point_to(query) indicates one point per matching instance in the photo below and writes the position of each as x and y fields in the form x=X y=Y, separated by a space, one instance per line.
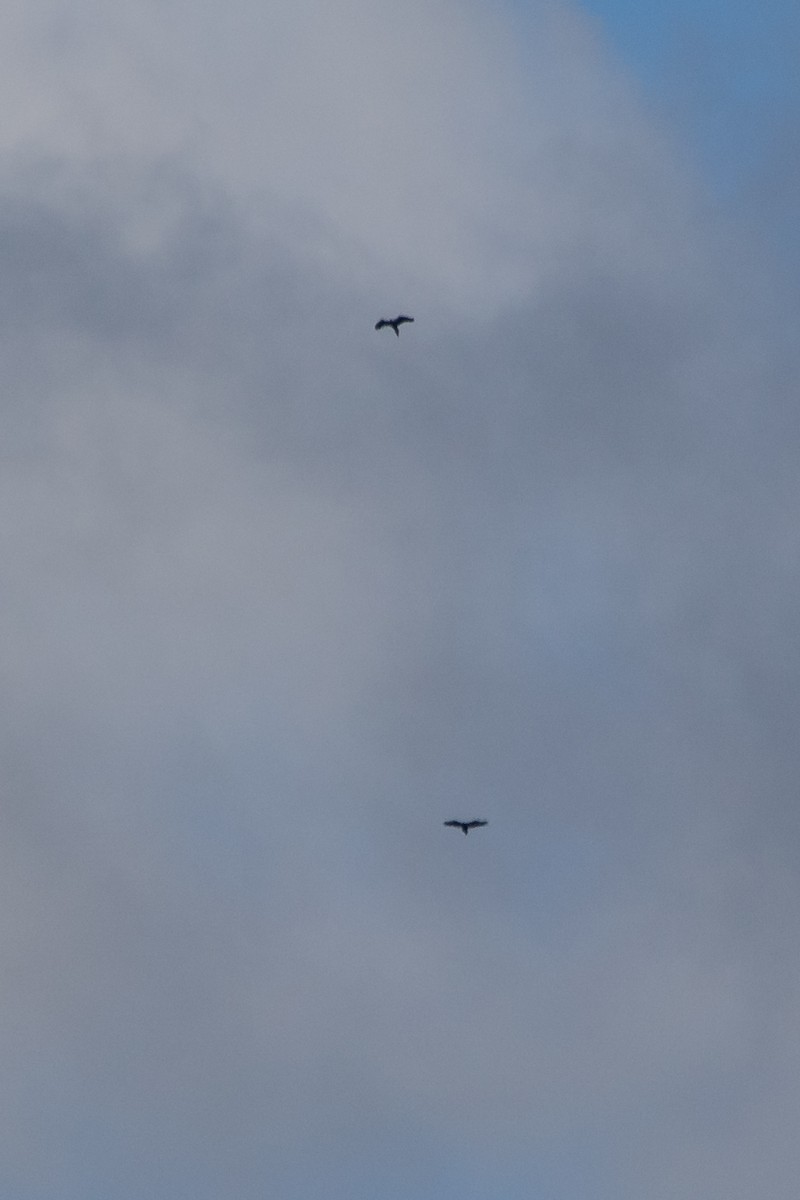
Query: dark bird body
x=465 y=826
x=394 y=324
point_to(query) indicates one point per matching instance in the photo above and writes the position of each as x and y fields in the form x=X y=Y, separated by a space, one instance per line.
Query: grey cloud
x=281 y=596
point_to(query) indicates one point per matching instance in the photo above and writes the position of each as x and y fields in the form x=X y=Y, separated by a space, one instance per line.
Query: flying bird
x=394 y=324
x=465 y=826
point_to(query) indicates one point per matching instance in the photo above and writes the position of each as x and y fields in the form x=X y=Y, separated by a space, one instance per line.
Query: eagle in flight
x=465 y=826
x=394 y=324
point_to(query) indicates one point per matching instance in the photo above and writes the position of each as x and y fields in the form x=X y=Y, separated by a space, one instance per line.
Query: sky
x=281 y=594
x=724 y=74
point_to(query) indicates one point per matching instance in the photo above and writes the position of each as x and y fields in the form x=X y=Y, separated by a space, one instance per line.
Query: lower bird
x=465 y=826
x=394 y=324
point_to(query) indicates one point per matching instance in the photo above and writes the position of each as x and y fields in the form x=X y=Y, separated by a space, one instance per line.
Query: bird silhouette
x=465 y=826
x=394 y=324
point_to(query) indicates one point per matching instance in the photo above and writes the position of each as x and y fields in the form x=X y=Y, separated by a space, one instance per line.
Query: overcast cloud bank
x=282 y=594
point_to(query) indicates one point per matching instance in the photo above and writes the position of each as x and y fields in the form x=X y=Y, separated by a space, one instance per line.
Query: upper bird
x=465 y=826
x=394 y=324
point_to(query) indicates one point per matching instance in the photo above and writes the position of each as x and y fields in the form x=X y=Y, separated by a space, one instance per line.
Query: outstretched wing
x=475 y=824
x=381 y=324
x=401 y=320
x=455 y=824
